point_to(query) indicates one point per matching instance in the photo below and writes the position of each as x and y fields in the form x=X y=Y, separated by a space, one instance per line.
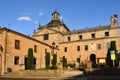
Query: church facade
x=80 y=45
x=90 y=44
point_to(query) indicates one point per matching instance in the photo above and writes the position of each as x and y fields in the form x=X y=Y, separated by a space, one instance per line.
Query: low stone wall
x=45 y=73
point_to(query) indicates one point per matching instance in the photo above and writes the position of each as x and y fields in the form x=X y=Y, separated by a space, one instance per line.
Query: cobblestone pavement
x=67 y=75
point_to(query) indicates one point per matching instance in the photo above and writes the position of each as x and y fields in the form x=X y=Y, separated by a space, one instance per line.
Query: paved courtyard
x=104 y=74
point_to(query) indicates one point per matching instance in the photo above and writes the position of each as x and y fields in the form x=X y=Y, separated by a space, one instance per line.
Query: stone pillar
x=76 y=65
x=59 y=69
x=89 y=66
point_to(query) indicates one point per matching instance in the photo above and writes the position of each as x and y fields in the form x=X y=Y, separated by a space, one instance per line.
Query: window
x=35 y=48
x=86 y=47
x=80 y=37
x=107 y=45
x=69 y=38
x=93 y=35
x=78 y=48
x=46 y=36
x=16 y=60
x=45 y=50
x=114 y=21
x=106 y=34
x=99 y=46
x=65 y=49
x=78 y=60
x=17 y=44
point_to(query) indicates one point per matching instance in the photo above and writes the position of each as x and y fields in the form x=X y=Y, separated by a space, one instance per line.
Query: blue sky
x=23 y=15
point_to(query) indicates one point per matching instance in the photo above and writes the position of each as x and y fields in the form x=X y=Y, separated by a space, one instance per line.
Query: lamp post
x=53 y=47
x=52 y=52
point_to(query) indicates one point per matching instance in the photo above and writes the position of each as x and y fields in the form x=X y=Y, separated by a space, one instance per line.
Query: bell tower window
x=55 y=15
x=114 y=21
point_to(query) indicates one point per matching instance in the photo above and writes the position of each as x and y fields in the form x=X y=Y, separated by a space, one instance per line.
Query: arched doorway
x=34 y=63
x=25 y=60
x=93 y=58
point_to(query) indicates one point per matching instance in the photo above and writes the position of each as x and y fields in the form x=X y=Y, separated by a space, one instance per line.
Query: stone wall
x=41 y=73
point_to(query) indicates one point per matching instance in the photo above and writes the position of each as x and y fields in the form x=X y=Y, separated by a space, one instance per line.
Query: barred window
x=86 y=47
x=46 y=36
x=78 y=48
x=17 y=44
x=80 y=37
x=35 y=48
x=69 y=38
x=106 y=34
x=16 y=60
x=93 y=35
x=65 y=49
x=99 y=46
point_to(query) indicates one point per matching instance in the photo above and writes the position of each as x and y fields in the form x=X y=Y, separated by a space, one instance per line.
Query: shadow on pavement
x=99 y=74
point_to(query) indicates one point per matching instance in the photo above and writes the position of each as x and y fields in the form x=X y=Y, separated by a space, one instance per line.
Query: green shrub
x=30 y=59
x=108 y=59
x=47 y=60
x=64 y=61
x=54 y=61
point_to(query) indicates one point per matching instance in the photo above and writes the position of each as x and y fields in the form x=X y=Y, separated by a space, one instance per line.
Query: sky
x=24 y=15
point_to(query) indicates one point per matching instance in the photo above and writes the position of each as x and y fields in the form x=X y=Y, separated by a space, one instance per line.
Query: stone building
x=14 y=50
x=55 y=37
x=80 y=45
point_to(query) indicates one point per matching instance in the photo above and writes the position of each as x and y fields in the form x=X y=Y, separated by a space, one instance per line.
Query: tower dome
x=55 y=15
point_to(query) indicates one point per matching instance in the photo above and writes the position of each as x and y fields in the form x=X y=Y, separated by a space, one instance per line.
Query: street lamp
x=53 y=47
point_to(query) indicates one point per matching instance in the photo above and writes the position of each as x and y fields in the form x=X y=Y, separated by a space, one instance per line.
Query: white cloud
x=40 y=13
x=24 y=18
x=61 y=17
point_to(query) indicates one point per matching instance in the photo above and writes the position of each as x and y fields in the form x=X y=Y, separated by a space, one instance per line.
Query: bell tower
x=55 y=15
x=114 y=21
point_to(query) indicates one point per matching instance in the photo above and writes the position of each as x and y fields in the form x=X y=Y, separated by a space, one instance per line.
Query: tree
x=54 y=61
x=47 y=60
x=108 y=59
x=30 y=59
x=64 y=62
